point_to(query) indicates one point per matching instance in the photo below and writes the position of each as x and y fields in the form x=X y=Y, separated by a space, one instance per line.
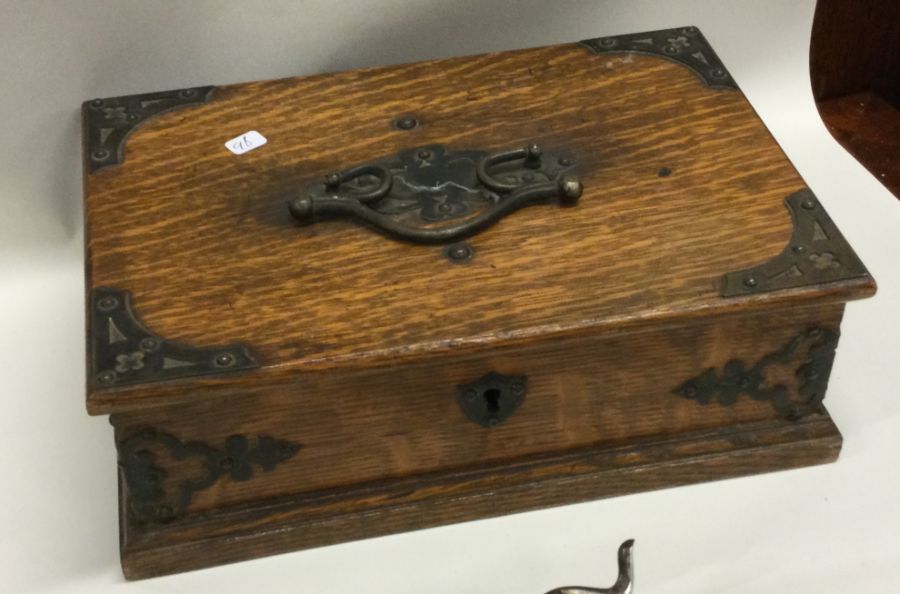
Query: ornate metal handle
x=431 y=195
x=624 y=584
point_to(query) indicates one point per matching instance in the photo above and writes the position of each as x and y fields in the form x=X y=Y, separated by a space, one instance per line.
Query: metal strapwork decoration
x=793 y=379
x=624 y=583
x=685 y=45
x=434 y=195
x=816 y=254
x=123 y=351
x=161 y=471
x=109 y=122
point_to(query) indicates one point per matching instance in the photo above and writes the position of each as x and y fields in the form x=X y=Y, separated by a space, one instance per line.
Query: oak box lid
x=201 y=281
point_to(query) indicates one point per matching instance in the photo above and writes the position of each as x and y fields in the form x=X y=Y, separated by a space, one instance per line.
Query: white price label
x=246 y=142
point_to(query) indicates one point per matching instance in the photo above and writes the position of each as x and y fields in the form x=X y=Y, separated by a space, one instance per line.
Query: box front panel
x=330 y=437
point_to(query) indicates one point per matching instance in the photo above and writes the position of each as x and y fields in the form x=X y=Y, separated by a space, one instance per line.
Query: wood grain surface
x=607 y=307
x=203 y=240
x=247 y=533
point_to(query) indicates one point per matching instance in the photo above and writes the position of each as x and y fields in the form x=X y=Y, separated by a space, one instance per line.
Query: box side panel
x=400 y=424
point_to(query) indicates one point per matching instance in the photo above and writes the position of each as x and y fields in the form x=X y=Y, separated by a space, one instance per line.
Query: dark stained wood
x=869 y=128
x=855 y=47
x=855 y=72
x=607 y=307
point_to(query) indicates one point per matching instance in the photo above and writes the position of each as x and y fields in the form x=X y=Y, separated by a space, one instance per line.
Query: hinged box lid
x=243 y=234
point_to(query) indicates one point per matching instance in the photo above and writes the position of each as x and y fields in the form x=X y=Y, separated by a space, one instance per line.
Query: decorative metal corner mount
x=148 y=498
x=431 y=194
x=684 y=45
x=123 y=351
x=817 y=254
x=624 y=583
x=109 y=122
x=807 y=358
x=492 y=398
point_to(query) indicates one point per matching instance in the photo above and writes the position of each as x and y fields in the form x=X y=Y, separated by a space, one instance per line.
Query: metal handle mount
x=431 y=195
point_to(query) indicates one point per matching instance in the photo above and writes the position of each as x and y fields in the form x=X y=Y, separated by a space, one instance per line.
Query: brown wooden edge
x=417 y=502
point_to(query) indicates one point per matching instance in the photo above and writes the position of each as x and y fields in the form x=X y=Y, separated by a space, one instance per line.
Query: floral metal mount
x=123 y=351
x=684 y=45
x=624 y=583
x=817 y=254
x=432 y=195
x=109 y=122
x=139 y=460
x=806 y=359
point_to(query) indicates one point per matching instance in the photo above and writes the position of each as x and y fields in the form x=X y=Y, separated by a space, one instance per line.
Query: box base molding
x=236 y=534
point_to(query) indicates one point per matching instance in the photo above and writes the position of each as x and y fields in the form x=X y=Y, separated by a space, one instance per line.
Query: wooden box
x=448 y=290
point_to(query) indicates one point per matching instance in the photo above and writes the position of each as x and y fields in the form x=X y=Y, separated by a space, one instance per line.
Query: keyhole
x=492 y=398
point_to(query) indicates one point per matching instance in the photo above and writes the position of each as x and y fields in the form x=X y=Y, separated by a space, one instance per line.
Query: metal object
x=432 y=195
x=491 y=399
x=109 y=122
x=684 y=45
x=150 y=500
x=459 y=253
x=817 y=254
x=624 y=583
x=123 y=351
x=807 y=359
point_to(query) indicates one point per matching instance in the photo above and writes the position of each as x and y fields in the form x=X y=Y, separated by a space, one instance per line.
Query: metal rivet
x=664 y=172
x=445 y=208
x=133 y=117
x=424 y=154
x=106 y=377
x=799 y=249
x=333 y=180
x=517 y=388
x=406 y=123
x=285 y=451
x=608 y=42
x=97 y=103
x=164 y=512
x=187 y=93
x=225 y=360
x=689 y=30
x=149 y=344
x=670 y=49
x=751 y=281
x=718 y=73
x=563 y=162
x=107 y=303
x=100 y=155
x=460 y=252
x=808 y=204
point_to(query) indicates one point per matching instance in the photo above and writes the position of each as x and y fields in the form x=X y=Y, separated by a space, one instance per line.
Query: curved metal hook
x=624 y=583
